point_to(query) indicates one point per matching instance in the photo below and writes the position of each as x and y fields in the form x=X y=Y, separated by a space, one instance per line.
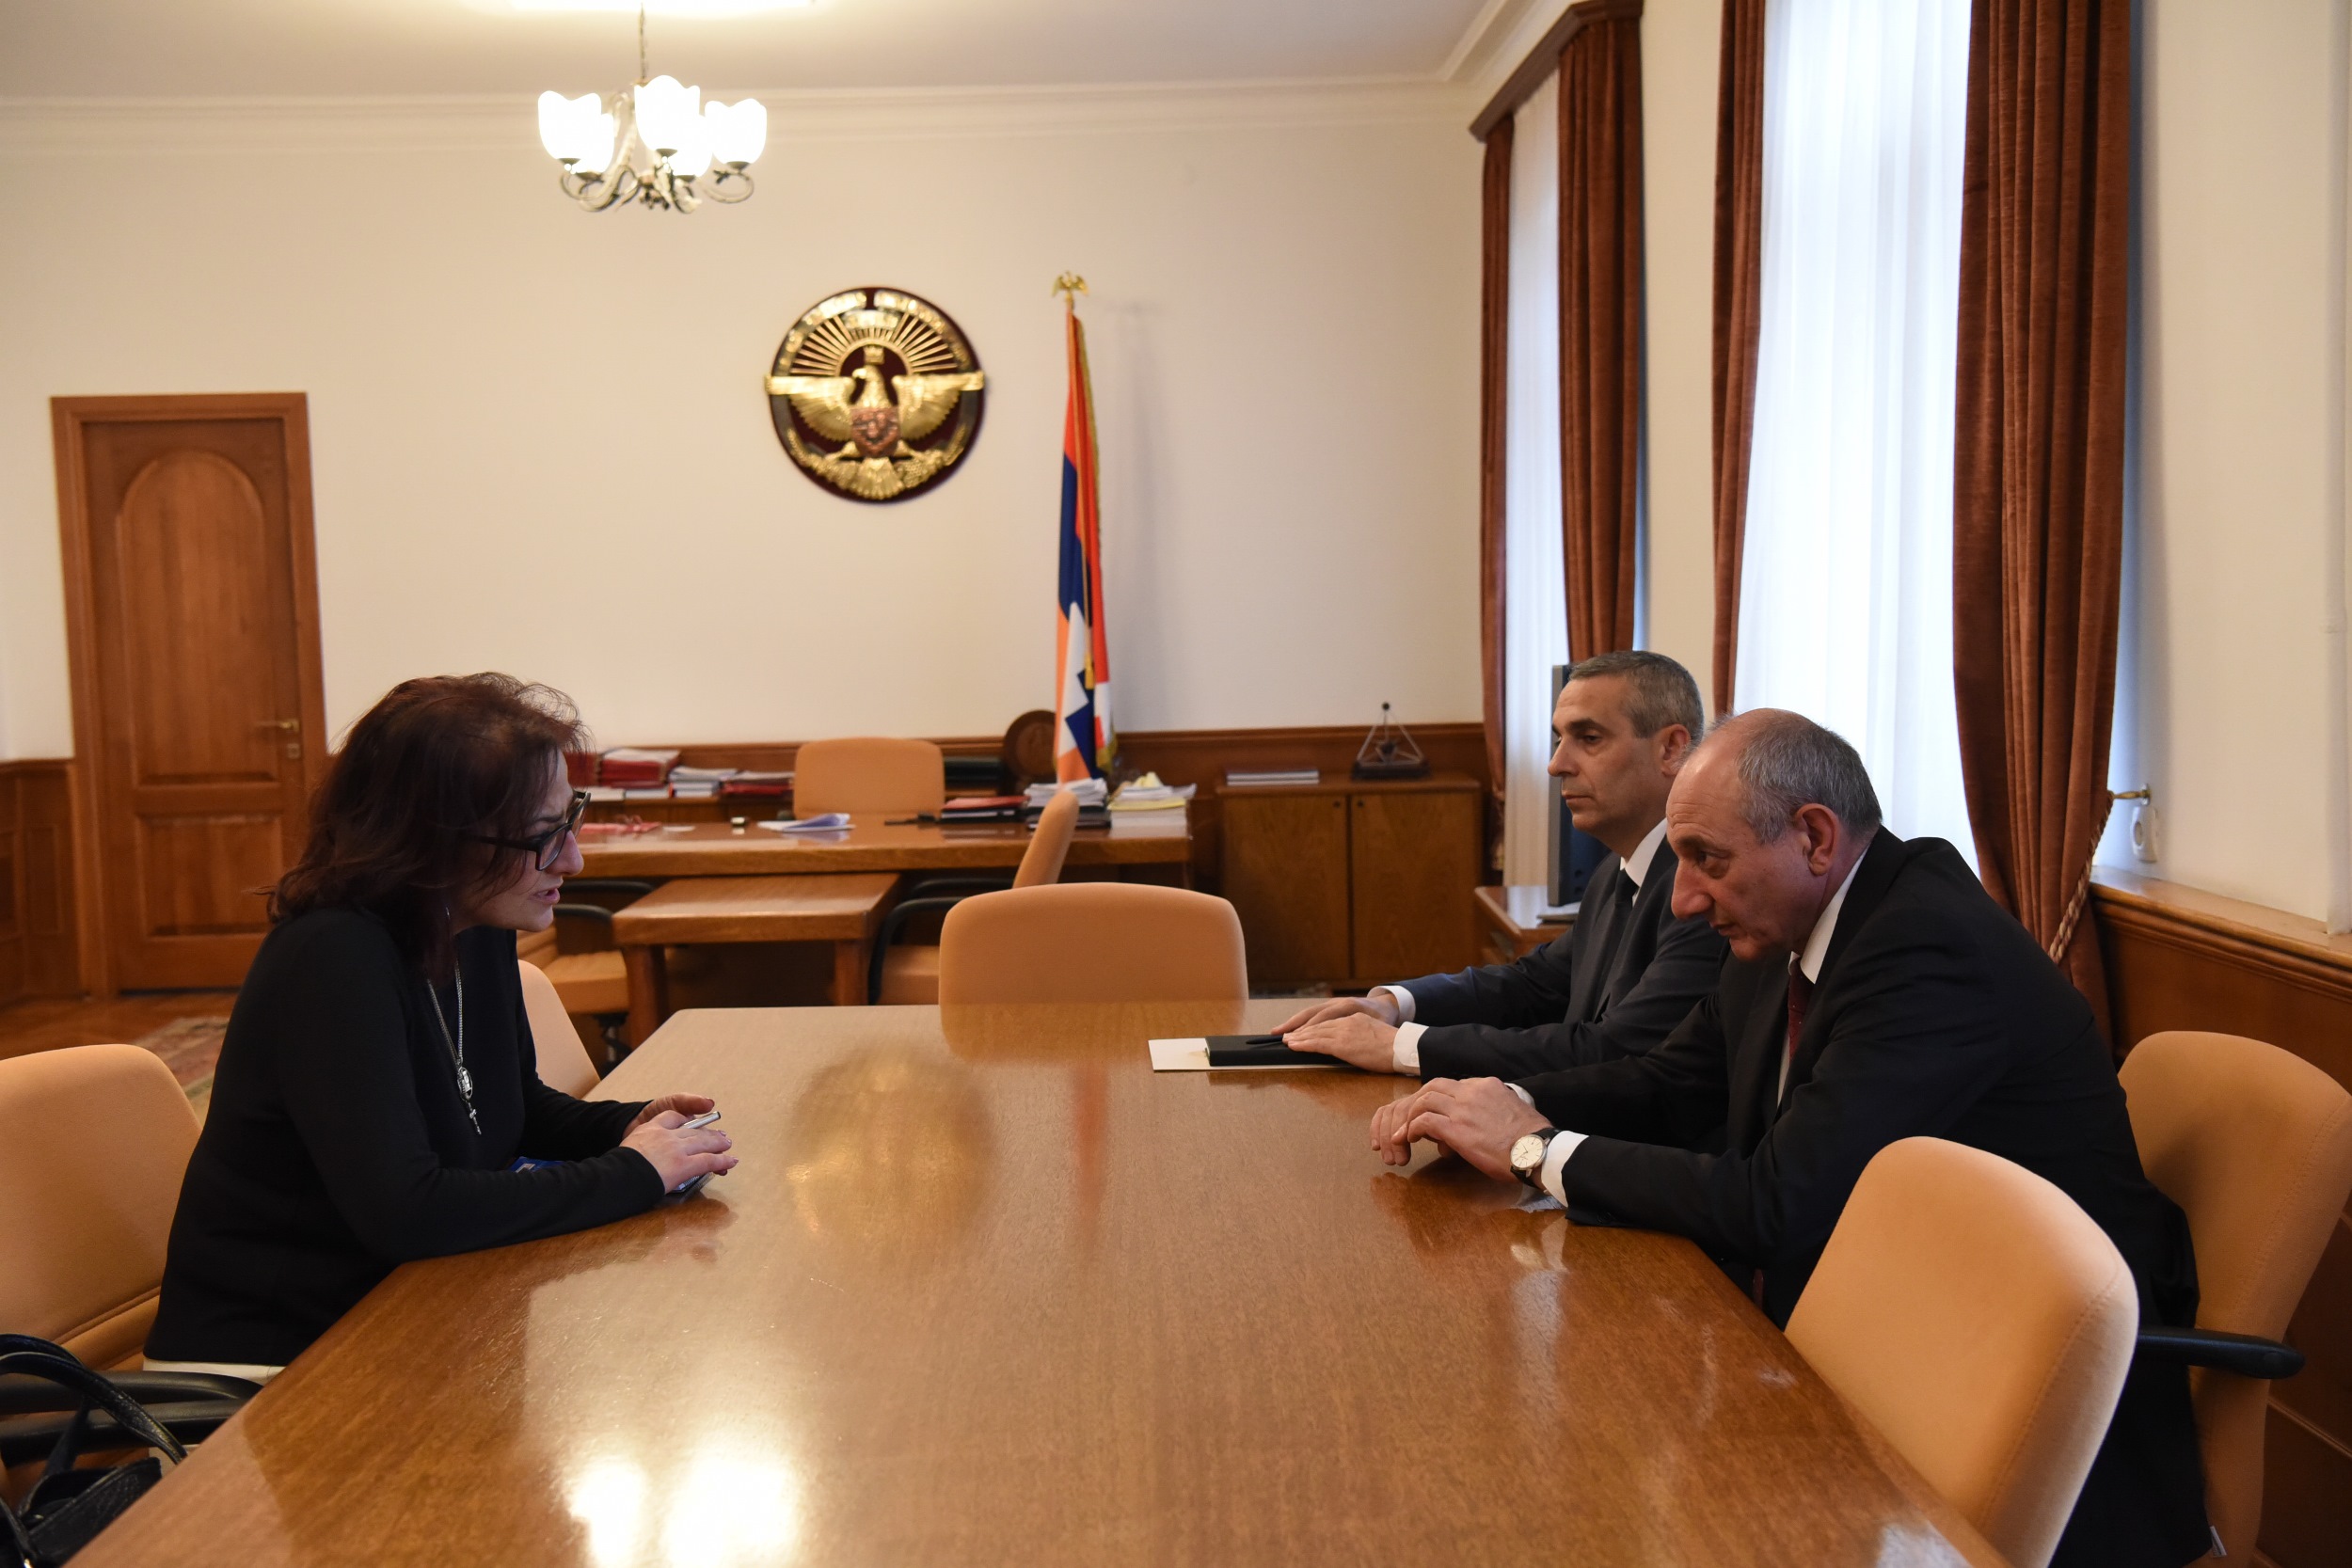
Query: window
x=1845 y=587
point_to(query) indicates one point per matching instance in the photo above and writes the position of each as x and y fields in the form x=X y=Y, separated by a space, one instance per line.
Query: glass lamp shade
x=738 y=133
x=669 y=116
x=600 y=131
x=567 y=126
x=691 y=158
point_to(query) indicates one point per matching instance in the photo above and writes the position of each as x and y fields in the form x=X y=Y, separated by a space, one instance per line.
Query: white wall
x=2240 y=443
x=540 y=442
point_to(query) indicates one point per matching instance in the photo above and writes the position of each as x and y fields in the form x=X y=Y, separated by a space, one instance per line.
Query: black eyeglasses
x=548 y=847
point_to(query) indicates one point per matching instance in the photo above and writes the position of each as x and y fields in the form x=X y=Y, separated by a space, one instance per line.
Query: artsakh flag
x=1083 y=742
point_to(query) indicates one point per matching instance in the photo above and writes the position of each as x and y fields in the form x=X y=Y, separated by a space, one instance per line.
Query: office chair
x=870 y=777
x=564 y=1061
x=2255 y=1145
x=908 y=973
x=81 y=1240
x=1091 y=942
x=1983 y=1324
x=593 y=984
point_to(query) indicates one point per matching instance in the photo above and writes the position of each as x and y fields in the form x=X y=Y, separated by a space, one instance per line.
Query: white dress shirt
x=1809 y=960
x=1404 y=1055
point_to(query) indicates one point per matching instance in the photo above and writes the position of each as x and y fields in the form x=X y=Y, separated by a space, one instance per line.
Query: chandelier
x=658 y=144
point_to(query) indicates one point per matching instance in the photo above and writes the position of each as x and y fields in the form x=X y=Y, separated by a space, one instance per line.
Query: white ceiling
x=306 y=48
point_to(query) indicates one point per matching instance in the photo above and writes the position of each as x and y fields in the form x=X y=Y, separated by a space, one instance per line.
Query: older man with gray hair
x=1875 y=993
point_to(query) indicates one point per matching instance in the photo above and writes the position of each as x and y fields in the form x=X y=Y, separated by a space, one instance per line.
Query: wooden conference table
x=985 y=1290
x=716 y=849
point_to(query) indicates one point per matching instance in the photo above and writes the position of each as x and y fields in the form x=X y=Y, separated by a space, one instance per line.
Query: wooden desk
x=842 y=908
x=1514 y=919
x=715 y=849
x=985 y=1290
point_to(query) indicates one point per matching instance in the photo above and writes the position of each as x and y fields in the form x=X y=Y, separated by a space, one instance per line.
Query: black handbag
x=53 y=1398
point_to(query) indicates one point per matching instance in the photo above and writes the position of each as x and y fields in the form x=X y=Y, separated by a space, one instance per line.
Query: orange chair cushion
x=1983 y=1324
x=1091 y=942
x=911 y=976
x=563 y=1059
x=2255 y=1145
x=591 y=982
x=869 y=776
x=81 y=1240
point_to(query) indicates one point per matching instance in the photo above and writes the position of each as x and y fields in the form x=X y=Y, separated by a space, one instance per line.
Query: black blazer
x=1591 y=996
x=1935 y=1014
x=337 y=1145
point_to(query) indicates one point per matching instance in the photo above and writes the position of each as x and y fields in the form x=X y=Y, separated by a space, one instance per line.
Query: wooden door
x=1414 y=872
x=1285 y=871
x=192 y=609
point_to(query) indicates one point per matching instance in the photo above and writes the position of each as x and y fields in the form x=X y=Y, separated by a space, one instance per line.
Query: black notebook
x=1266 y=1051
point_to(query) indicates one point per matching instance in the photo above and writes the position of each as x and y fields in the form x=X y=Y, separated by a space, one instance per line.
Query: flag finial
x=1070 y=285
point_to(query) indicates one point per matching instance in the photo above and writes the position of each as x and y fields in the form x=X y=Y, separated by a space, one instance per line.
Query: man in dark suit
x=1876 y=992
x=1625 y=972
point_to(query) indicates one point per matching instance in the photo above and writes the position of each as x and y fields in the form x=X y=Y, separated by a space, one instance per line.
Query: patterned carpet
x=189 y=1046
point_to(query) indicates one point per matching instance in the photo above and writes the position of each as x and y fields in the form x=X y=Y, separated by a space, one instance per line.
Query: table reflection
x=890 y=1156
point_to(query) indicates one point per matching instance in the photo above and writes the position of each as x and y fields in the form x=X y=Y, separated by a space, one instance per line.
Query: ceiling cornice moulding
x=335 y=125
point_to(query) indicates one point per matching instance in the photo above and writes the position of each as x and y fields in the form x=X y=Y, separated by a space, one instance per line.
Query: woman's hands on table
x=679 y=1153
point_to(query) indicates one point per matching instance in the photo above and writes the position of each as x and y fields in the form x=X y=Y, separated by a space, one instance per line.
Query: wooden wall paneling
x=1413 y=869
x=11 y=924
x=1286 y=871
x=39 y=953
x=2181 y=958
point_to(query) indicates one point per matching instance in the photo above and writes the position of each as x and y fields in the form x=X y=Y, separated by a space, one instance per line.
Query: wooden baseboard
x=40 y=954
x=2178 y=958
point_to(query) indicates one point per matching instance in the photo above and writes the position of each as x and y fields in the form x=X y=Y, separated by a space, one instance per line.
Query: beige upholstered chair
x=96 y=1140
x=1983 y=1324
x=869 y=776
x=2255 y=1145
x=1091 y=942
x=909 y=971
x=564 y=1061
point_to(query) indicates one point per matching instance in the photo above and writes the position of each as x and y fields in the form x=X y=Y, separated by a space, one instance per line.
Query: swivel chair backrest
x=1091 y=942
x=564 y=1061
x=1983 y=1324
x=2255 y=1145
x=94 y=1140
x=1041 y=862
x=869 y=776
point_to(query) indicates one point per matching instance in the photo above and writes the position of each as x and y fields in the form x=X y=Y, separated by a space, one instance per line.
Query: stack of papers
x=1149 y=794
x=1238 y=777
x=1091 y=792
x=698 y=784
x=829 y=822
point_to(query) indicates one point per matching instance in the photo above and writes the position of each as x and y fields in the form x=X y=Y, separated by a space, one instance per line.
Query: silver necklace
x=456 y=1044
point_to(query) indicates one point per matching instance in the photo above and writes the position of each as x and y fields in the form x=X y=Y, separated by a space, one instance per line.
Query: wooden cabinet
x=1353 y=882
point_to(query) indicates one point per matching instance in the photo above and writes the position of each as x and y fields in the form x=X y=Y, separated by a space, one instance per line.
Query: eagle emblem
x=875 y=393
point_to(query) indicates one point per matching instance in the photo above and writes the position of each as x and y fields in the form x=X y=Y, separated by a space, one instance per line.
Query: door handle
x=278 y=724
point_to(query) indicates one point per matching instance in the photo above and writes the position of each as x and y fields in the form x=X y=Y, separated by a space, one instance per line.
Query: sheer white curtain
x=1535 y=594
x=1845 y=588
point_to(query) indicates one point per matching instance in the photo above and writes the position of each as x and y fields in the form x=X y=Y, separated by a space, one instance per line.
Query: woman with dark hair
x=377 y=1080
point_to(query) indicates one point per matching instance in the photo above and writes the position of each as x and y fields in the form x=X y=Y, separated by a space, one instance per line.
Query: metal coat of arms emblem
x=875 y=393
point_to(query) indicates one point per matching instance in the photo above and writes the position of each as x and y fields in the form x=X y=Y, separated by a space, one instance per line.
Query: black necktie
x=1609 y=908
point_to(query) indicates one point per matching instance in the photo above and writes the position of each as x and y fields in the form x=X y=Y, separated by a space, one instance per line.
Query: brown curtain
x=1600 y=321
x=1739 y=290
x=2037 y=462
x=1493 y=362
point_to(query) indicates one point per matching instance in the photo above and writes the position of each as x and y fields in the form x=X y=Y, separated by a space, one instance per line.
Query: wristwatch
x=1527 y=1154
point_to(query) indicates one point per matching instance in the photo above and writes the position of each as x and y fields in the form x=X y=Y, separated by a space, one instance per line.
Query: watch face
x=1528 y=1152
